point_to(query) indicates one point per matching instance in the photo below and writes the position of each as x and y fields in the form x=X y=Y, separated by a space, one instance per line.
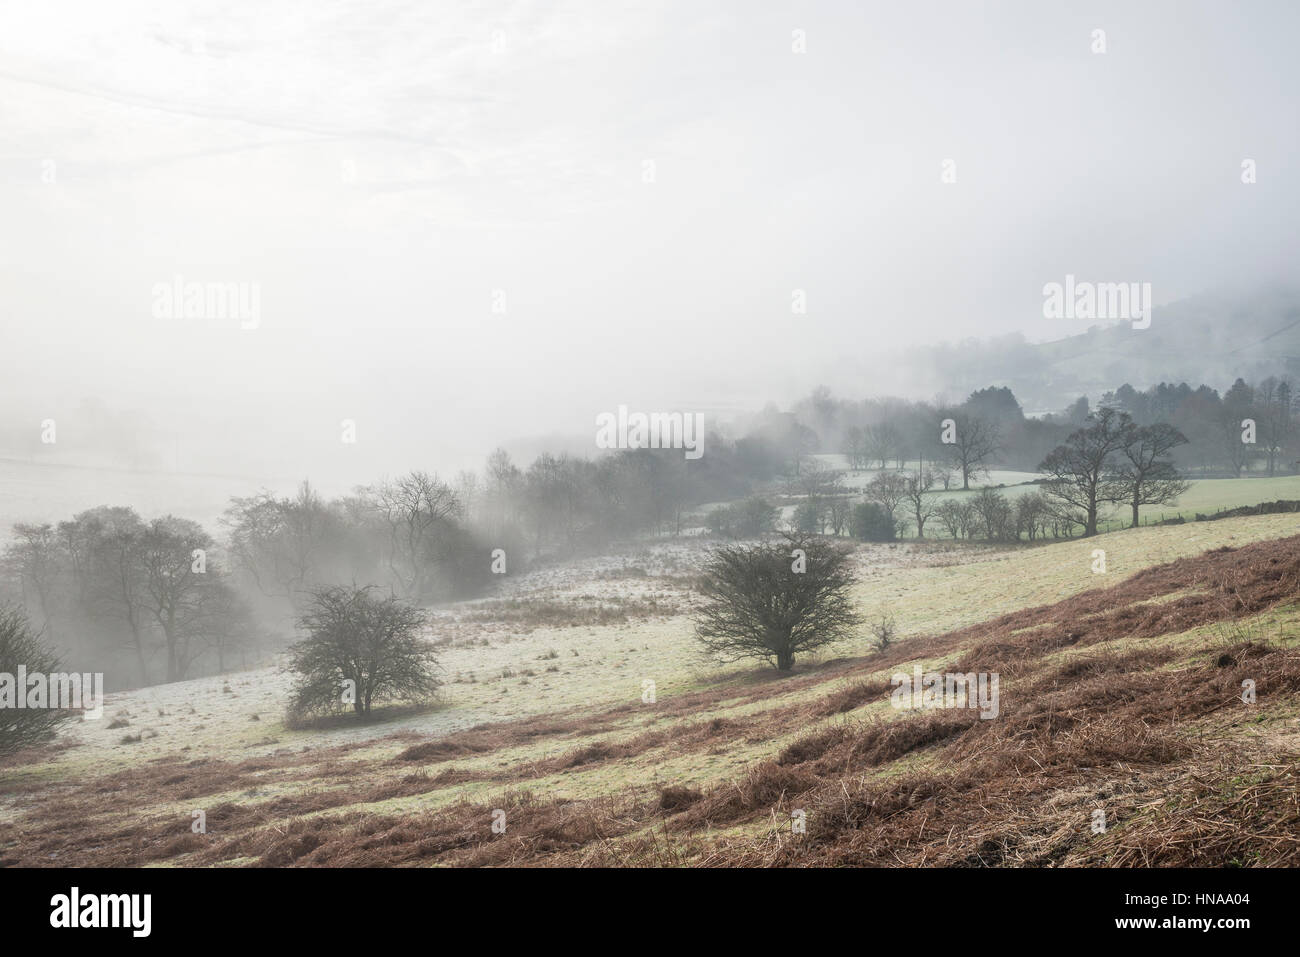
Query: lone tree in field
x=774 y=600
x=360 y=650
x=20 y=645
x=975 y=441
x=1080 y=471
x=1144 y=472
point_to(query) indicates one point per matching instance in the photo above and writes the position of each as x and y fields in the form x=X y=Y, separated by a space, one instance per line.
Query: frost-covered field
x=498 y=662
x=542 y=704
x=498 y=665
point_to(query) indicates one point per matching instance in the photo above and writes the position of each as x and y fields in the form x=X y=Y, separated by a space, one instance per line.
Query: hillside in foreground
x=1119 y=693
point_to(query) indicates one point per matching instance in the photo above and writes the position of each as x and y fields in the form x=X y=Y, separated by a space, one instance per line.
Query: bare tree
x=921 y=504
x=1033 y=514
x=223 y=625
x=819 y=485
x=35 y=559
x=887 y=489
x=1273 y=398
x=360 y=651
x=995 y=514
x=882 y=442
x=504 y=493
x=816 y=481
x=414 y=509
x=950 y=514
x=855 y=441
x=838 y=512
x=1080 y=469
x=1143 y=471
x=975 y=440
x=109 y=541
x=765 y=601
x=176 y=580
x=885 y=628
x=281 y=544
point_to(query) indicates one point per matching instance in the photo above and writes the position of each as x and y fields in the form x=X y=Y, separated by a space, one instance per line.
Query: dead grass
x=1094 y=714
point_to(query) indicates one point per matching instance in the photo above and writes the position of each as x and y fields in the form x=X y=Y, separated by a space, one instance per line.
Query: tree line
x=1109 y=460
x=992 y=426
x=165 y=599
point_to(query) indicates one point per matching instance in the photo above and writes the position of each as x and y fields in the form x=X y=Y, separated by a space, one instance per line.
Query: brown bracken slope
x=1107 y=705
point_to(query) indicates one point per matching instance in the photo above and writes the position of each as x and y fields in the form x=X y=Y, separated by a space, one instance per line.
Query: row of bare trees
x=107 y=584
x=162 y=600
x=1114 y=460
x=407 y=535
x=1109 y=460
x=961 y=445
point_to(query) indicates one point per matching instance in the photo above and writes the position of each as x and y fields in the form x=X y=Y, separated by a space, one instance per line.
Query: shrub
x=759 y=602
x=21 y=646
x=871 y=523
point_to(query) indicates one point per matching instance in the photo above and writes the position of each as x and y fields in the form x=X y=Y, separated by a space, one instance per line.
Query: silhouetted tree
x=975 y=441
x=1143 y=471
x=1080 y=469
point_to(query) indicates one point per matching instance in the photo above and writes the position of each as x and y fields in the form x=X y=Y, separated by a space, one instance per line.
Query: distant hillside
x=1209 y=339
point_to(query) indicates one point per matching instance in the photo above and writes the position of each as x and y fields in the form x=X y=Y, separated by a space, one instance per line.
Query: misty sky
x=380 y=168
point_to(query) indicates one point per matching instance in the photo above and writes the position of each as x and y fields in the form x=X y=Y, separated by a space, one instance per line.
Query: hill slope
x=1124 y=699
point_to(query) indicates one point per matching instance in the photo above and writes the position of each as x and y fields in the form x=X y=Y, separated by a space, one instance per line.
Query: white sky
x=501 y=146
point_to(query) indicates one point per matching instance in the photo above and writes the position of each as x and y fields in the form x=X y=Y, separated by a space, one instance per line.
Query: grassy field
x=547 y=720
x=1206 y=496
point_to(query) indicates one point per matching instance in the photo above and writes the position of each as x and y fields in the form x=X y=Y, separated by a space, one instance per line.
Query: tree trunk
x=139 y=657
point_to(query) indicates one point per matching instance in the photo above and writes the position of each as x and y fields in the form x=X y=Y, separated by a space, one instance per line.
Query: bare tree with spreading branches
x=416 y=509
x=1144 y=472
x=1081 y=476
x=975 y=440
x=360 y=650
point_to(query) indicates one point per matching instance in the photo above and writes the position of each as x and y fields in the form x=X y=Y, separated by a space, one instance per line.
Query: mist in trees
x=165 y=599
x=1113 y=460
